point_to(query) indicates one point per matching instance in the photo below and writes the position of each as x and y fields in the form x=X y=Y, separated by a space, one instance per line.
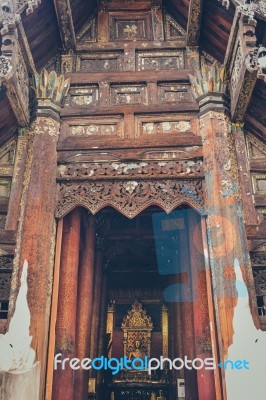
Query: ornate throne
x=136 y=384
x=137 y=327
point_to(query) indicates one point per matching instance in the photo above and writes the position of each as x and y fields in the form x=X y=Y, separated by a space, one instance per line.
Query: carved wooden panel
x=256 y=148
x=5 y=187
x=259 y=183
x=116 y=155
x=6 y=265
x=130 y=197
x=258 y=258
x=260 y=281
x=172 y=29
x=160 y=60
x=5 y=283
x=169 y=93
x=130 y=27
x=237 y=68
x=131 y=94
x=161 y=125
x=104 y=126
x=88 y=33
x=100 y=62
x=134 y=169
x=83 y=96
x=186 y=152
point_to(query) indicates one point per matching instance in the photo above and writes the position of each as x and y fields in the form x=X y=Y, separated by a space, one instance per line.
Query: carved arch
x=130 y=197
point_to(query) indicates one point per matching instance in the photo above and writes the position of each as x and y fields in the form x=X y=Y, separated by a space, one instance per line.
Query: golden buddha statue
x=137 y=352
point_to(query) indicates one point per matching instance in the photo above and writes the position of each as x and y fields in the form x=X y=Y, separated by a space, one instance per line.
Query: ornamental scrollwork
x=258 y=258
x=134 y=169
x=260 y=281
x=13 y=69
x=6 y=68
x=6 y=265
x=137 y=318
x=130 y=197
x=252 y=64
x=42 y=126
x=18 y=6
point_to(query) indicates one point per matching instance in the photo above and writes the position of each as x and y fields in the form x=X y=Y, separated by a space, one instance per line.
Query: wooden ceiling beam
x=65 y=23
x=194 y=22
x=256 y=126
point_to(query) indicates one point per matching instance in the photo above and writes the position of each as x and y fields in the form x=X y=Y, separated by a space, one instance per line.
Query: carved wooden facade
x=134 y=116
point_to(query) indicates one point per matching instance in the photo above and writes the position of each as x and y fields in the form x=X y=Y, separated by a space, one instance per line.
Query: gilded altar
x=137 y=328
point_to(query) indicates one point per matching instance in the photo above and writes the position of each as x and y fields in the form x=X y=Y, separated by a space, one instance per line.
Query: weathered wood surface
x=82 y=143
x=17 y=184
x=36 y=233
x=8 y=236
x=128 y=76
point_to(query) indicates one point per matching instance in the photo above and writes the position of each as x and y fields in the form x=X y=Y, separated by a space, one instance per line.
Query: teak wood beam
x=194 y=22
x=128 y=76
x=83 y=143
x=65 y=23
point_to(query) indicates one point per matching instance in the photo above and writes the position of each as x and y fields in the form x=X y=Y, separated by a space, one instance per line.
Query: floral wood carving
x=5 y=283
x=49 y=85
x=130 y=197
x=137 y=327
x=260 y=281
x=137 y=318
x=208 y=79
x=258 y=258
x=134 y=169
x=6 y=263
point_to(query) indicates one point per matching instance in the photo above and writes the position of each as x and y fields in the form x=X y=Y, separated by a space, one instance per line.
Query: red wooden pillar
x=36 y=167
x=203 y=346
x=96 y=308
x=172 y=353
x=187 y=315
x=63 y=387
x=102 y=338
x=84 y=309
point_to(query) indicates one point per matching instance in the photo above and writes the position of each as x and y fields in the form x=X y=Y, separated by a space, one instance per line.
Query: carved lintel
x=130 y=197
x=65 y=21
x=194 y=22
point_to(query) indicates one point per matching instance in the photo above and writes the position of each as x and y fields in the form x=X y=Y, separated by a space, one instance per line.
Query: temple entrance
x=148 y=300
